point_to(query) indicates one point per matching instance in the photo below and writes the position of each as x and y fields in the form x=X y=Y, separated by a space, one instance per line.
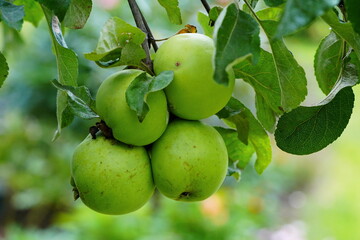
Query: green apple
x=193 y=94
x=189 y=161
x=111 y=177
x=112 y=107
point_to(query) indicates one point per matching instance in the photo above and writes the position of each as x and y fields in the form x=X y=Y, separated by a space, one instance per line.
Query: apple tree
x=148 y=113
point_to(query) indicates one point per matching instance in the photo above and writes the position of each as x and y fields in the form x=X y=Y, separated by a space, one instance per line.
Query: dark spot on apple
x=184 y=195
x=194 y=146
x=102 y=193
x=177 y=64
x=171 y=108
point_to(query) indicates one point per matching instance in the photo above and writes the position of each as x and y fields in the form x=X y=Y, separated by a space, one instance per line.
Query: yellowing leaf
x=188 y=29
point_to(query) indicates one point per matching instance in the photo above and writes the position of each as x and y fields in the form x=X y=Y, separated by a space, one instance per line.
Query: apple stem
x=106 y=131
x=93 y=130
x=142 y=24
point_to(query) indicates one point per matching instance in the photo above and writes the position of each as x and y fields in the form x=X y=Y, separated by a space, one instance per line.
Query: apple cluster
x=185 y=159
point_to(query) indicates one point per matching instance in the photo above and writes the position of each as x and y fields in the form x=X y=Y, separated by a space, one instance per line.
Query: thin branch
x=150 y=36
x=140 y=24
x=206 y=5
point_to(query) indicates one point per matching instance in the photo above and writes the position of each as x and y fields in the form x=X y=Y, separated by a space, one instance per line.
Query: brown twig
x=206 y=5
x=149 y=33
x=140 y=24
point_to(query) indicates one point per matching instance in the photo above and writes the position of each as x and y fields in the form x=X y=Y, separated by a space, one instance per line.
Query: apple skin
x=112 y=107
x=193 y=94
x=189 y=161
x=111 y=177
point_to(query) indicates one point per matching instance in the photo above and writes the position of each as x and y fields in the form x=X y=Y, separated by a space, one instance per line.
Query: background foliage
x=308 y=197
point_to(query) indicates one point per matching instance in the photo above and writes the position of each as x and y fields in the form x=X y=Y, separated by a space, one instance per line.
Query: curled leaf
x=143 y=85
x=306 y=130
x=119 y=44
x=247 y=127
x=236 y=38
x=80 y=100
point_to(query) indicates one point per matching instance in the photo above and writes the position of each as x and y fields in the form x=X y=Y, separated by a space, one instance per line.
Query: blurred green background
x=313 y=197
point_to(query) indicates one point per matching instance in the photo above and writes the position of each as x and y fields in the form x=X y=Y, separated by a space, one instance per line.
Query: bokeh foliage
x=315 y=196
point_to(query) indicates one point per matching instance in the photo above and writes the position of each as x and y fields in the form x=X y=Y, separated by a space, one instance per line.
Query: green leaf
x=300 y=13
x=33 y=12
x=119 y=43
x=252 y=4
x=273 y=13
x=235 y=116
x=328 y=61
x=77 y=14
x=80 y=100
x=353 y=14
x=215 y=13
x=67 y=65
x=67 y=62
x=236 y=38
x=274 y=3
x=307 y=130
x=265 y=114
x=242 y=126
x=349 y=76
x=257 y=136
x=238 y=152
x=172 y=10
x=4 y=69
x=343 y=30
x=290 y=74
x=59 y=7
x=11 y=14
x=232 y=108
x=64 y=114
x=204 y=21
x=263 y=78
x=234 y=172
x=141 y=87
